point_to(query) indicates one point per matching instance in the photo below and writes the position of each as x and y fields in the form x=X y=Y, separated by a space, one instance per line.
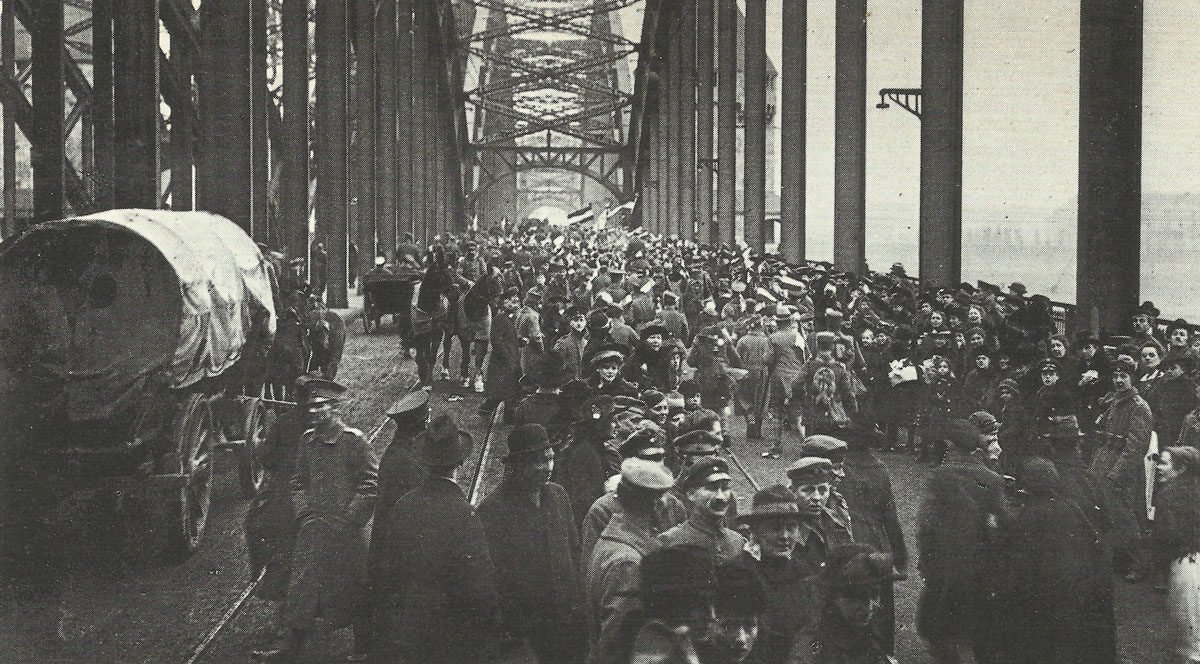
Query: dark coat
x=1060 y=606
x=619 y=387
x=334 y=488
x=328 y=346
x=435 y=596
x=1176 y=397
x=956 y=528
x=838 y=642
x=536 y=552
x=648 y=368
x=504 y=360
x=1177 y=516
x=793 y=602
x=868 y=491
x=582 y=468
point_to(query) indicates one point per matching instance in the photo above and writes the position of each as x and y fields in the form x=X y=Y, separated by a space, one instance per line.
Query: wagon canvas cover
x=98 y=305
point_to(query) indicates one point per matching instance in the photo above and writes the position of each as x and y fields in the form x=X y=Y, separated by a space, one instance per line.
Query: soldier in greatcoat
x=435 y=590
x=334 y=488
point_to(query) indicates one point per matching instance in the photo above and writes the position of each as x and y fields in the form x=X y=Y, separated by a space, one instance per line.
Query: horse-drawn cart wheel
x=193 y=442
x=258 y=419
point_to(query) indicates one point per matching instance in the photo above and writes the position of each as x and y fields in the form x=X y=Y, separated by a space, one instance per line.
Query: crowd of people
x=620 y=359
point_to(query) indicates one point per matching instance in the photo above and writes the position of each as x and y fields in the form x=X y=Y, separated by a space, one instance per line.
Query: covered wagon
x=128 y=341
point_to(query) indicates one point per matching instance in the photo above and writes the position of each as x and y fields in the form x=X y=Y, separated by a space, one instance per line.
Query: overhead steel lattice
x=552 y=83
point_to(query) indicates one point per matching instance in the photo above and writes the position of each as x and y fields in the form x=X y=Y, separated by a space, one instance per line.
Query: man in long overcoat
x=535 y=546
x=958 y=531
x=333 y=488
x=504 y=362
x=435 y=589
x=1124 y=432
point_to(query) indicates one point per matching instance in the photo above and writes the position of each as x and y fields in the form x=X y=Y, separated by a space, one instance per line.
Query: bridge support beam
x=102 y=102
x=404 y=123
x=671 y=134
x=850 y=136
x=1110 y=162
x=294 y=158
x=705 y=24
x=135 y=90
x=365 y=145
x=686 y=46
x=46 y=149
x=332 y=140
x=727 y=101
x=755 y=95
x=225 y=111
x=792 y=115
x=941 y=142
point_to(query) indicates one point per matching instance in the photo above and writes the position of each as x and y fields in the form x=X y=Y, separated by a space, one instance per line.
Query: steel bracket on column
x=907 y=98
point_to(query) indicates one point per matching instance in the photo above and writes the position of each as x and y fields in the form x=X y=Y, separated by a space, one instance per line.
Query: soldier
x=613 y=571
x=706 y=484
x=436 y=599
x=821 y=527
x=544 y=406
x=334 y=489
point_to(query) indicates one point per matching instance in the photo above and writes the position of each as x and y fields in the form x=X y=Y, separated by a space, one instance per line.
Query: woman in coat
x=1177 y=544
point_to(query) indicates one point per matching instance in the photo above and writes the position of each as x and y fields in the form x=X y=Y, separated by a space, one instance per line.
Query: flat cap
x=646 y=474
x=810 y=466
x=826 y=447
x=705 y=470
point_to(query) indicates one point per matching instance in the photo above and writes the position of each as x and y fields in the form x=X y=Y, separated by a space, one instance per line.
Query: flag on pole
x=579 y=216
x=625 y=207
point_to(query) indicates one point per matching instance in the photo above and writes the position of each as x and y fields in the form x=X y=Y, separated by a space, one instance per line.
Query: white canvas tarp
x=105 y=302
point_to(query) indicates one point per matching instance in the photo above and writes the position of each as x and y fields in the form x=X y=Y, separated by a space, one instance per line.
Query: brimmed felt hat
x=1185 y=362
x=524 y=440
x=826 y=340
x=598 y=322
x=550 y=371
x=773 y=502
x=857 y=566
x=443 y=444
x=1178 y=324
x=689 y=387
x=1062 y=426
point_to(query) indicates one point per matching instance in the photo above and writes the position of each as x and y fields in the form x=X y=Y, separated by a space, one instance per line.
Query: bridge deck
x=164 y=613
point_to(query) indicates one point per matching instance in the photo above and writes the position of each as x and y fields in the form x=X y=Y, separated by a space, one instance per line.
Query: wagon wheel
x=258 y=419
x=193 y=445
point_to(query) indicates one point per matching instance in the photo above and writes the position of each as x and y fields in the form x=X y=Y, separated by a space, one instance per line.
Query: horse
x=326 y=338
x=290 y=349
x=430 y=309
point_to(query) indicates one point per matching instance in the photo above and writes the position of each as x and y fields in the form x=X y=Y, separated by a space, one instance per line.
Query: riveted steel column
x=648 y=178
x=727 y=102
x=102 y=101
x=671 y=99
x=661 y=131
x=687 y=124
x=46 y=150
x=792 y=114
x=8 y=60
x=364 y=130
x=1108 y=263
x=260 y=151
x=224 y=183
x=294 y=182
x=332 y=140
x=705 y=24
x=385 y=138
x=755 y=183
x=405 y=145
x=183 y=131
x=135 y=90
x=941 y=141
x=420 y=132
x=850 y=136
